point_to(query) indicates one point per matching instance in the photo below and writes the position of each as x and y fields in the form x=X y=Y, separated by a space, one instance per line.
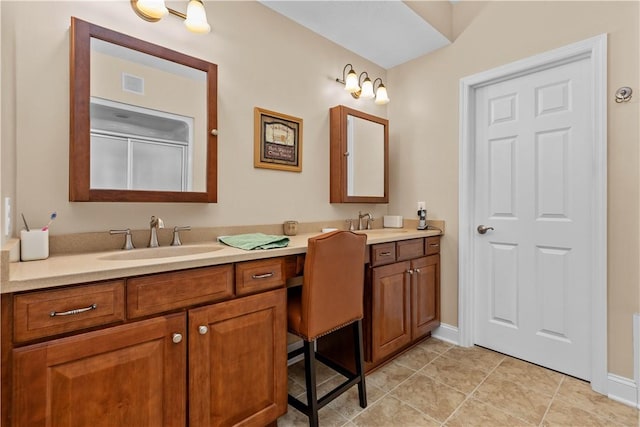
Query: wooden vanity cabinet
x=196 y=363
x=403 y=301
x=132 y=374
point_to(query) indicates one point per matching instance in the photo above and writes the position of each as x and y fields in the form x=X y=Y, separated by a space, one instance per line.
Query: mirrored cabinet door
x=359 y=157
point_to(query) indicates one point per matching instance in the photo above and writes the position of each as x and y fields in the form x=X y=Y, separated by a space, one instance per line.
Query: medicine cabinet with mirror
x=143 y=121
x=359 y=157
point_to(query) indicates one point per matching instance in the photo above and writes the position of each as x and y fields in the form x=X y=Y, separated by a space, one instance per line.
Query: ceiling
x=387 y=33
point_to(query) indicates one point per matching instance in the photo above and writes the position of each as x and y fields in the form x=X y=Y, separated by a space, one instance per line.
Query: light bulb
x=381 y=95
x=197 y=18
x=351 y=83
x=367 y=89
x=155 y=9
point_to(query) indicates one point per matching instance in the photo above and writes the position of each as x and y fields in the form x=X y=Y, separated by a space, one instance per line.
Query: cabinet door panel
x=391 y=308
x=238 y=367
x=132 y=374
x=425 y=295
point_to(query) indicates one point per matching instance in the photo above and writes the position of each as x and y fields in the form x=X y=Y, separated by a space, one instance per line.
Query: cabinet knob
x=202 y=329
x=417 y=270
x=176 y=338
x=410 y=271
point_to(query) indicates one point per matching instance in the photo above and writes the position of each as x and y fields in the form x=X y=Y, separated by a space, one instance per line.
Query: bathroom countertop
x=59 y=270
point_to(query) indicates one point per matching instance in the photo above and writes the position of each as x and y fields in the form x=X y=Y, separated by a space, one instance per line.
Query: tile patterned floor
x=438 y=384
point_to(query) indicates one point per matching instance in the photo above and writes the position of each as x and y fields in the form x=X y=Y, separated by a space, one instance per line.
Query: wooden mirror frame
x=338 y=158
x=80 y=140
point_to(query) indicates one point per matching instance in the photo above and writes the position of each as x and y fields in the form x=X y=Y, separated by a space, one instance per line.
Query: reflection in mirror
x=359 y=157
x=142 y=136
x=365 y=144
x=142 y=117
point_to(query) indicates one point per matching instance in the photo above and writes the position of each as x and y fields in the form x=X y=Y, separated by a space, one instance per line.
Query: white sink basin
x=161 y=252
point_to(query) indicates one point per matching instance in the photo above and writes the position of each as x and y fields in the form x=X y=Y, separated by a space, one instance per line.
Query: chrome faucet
x=361 y=216
x=154 y=225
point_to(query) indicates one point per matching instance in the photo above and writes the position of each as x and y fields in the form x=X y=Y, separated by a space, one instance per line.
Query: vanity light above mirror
x=195 y=20
x=143 y=121
x=363 y=88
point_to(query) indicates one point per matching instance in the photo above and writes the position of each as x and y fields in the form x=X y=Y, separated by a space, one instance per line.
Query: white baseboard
x=620 y=389
x=446 y=333
x=623 y=390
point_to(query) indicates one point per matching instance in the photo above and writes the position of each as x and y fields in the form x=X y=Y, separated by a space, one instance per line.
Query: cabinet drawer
x=432 y=245
x=410 y=249
x=256 y=276
x=53 y=312
x=383 y=253
x=162 y=292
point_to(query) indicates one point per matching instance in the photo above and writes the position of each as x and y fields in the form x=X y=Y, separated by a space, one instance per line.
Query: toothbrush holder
x=34 y=245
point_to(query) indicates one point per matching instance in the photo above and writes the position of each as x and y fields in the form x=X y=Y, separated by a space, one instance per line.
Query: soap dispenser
x=422 y=216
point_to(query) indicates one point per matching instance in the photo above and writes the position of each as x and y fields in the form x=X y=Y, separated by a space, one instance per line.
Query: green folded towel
x=255 y=241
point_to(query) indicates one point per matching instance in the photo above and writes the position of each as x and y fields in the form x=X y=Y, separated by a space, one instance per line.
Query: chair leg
x=359 y=354
x=310 y=379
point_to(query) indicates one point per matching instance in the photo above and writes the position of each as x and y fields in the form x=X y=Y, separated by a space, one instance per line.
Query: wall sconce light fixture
x=359 y=88
x=154 y=10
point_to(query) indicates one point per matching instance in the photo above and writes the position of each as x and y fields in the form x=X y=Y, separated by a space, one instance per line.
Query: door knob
x=482 y=229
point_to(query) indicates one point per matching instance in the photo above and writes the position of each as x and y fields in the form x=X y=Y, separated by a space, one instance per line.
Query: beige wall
x=263 y=59
x=425 y=131
x=267 y=61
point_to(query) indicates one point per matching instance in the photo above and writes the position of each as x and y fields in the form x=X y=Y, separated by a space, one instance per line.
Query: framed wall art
x=277 y=141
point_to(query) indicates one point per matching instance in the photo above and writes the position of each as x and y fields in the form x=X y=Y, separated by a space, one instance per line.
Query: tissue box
x=34 y=245
x=392 y=221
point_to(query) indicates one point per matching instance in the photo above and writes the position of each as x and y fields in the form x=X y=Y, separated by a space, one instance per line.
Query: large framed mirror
x=143 y=121
x=359 y=157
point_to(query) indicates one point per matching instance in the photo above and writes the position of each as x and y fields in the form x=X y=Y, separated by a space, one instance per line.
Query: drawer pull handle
x=435 y=245
x=262 y=276
x=387 y=253
x=71 y=312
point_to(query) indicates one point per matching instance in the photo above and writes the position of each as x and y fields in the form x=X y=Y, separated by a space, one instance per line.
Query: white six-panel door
x=533 y=184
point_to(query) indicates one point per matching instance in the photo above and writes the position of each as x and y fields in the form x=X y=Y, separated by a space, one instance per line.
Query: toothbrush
x=25 y=222
x=53 y=216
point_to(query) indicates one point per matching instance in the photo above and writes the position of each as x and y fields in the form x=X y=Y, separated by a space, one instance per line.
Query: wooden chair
x=329 y=299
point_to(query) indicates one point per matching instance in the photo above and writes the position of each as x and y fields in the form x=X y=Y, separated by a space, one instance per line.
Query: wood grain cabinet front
x=402 y=299
x=162 y=292
x=53 y=312
x=217 y=364
x=127 y=375
x=258 y=276
x=238 y=361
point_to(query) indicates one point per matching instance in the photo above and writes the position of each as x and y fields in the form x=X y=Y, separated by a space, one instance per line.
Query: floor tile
x=389 y=376
x=456 y=373
x=438 y=384
x=578 y=393
x=534 y=376
x=476 y=357
x=390 y=411
x=348 y=404
x=514 y=398
x=416 y=358
x=429 y=396
x=435 y=345
x=475 y=413
x=562 y=413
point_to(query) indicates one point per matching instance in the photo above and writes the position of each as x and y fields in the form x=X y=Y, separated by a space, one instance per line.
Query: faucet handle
x=350 y=222
x=128 y=244
x=176 y=234
x=156 y=222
